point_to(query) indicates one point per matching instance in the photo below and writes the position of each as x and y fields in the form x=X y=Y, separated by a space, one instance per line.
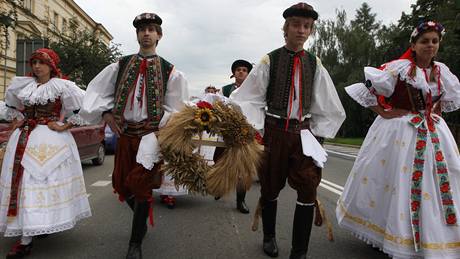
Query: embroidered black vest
x=157 y=76
x=228 y=89
x=281 y=66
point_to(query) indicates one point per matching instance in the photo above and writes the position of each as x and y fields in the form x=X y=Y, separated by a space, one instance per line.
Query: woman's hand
x=52 y=125
x=390 y=114
x=15 y=124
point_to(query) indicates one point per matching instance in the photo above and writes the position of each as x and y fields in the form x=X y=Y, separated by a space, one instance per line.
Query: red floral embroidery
x=203 y=105
x=418 y=161
x=417 y=236
x=442 y=170
x=447 y=202
x=416 y=191
x=415 y=205
x=416 y=175
x=420 y=144
x=445 y=187
x=416 y=120
x=415 y=222
x=439 y=156
x=435 y=140
x=451 y=219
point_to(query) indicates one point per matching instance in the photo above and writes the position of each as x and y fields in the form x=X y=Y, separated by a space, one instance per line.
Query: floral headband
x=425 y=26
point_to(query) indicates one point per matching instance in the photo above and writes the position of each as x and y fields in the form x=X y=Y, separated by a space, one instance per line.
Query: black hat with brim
x=301 y=10
x=145 y=18
x=241 y=63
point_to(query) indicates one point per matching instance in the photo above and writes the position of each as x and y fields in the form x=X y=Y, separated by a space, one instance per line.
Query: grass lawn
x=346 y=141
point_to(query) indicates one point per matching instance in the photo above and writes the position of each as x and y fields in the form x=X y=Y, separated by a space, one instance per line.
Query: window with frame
x=56 y=20
x=24 y=49
x=27 y=4
x=64 y=24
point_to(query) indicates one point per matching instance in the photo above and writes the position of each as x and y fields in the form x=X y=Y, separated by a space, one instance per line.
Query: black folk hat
x=146 y=18
x=241 y=63
x=302 y=10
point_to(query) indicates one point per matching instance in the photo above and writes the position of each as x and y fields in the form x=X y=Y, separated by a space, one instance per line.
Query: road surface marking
x=341 y=154
x=101 y=183
x=332 y=187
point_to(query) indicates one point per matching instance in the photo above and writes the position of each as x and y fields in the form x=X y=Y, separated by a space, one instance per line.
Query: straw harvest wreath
x=239 y=161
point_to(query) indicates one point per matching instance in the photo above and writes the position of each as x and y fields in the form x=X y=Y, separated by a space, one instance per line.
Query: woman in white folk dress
x=42 y=190
x=403 y=193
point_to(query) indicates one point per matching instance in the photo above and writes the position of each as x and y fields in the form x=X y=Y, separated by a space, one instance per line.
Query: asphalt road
x=198 y=227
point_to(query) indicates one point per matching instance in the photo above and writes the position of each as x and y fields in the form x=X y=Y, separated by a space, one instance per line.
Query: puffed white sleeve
x=251 y=95
x=100 y=95
x=176 y=95
x=327 y=113
x=450 y=100
x=13 y=106
x=72 y=100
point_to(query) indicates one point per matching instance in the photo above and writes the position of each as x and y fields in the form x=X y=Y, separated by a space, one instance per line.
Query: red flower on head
x=203 y=105
x=445 y=187
x=439 y=156
x=451 y=219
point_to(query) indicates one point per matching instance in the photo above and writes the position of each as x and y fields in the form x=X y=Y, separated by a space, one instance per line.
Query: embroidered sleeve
x=450 y=100
x=361 y=94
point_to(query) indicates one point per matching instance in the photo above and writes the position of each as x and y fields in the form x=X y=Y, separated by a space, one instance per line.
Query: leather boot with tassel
x=269 y=223
x=301 y=230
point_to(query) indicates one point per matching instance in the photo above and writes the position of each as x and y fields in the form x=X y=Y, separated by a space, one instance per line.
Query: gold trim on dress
x=395 y=239
x=44 y=152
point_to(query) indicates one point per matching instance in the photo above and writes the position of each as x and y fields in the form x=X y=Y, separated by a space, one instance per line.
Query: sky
x=202 y=38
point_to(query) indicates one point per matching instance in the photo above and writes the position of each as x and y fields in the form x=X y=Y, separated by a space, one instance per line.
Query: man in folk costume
x=136 y=97
x=290 y=96
x=240 y=70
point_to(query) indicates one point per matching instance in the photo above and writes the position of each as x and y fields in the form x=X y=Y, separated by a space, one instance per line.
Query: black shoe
x=297 y=256
x=134 y=251
x=19 y=251
x=242 y=207
x=270 y=246
x=216 y=198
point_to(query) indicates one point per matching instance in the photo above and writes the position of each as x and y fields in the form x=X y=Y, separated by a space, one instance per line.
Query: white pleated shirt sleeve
x=72 y=100
x=251 y=95
x=327 y=113
x=100 y=94
x=450 y=100
x=176 y=95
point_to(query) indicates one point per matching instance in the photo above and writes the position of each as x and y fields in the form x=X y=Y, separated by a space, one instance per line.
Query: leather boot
x=240 y=204
x=130 y=202
x=134 y=251
x=301 y=230
x=269 y=222
x=138 y=229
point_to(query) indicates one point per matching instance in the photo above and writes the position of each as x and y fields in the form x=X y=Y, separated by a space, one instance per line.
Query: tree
x=82 y=54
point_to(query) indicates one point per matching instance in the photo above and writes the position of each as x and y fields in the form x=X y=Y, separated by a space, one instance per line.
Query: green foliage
x=345 y=48
x=82 y=54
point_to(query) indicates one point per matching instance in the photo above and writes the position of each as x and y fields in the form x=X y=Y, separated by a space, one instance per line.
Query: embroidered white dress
x=376 y=202
x=52 y=195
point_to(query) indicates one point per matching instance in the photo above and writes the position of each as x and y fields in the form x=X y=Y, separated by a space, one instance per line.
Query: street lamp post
x=6 y=21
